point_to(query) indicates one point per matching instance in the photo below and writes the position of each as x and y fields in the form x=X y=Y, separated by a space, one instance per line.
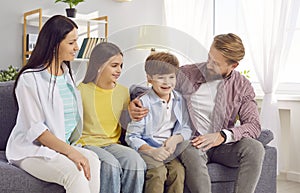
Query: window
x=227 y=19
x=292 y=70
x=227 y=16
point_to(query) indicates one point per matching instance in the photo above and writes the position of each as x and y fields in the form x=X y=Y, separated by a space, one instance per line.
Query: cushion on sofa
x=221 y=173
x=16 y=180
x=8 y=111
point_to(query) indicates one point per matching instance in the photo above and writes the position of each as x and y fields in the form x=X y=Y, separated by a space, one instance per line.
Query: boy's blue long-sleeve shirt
x=141 y=132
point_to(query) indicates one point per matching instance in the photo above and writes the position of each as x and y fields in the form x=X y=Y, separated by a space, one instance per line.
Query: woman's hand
x=51 y=141
x=136 y=110
x=80 y=161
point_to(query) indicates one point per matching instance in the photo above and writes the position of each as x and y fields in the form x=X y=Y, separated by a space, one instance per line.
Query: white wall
x=289 y=143
x=120 y=15
x=289 y=154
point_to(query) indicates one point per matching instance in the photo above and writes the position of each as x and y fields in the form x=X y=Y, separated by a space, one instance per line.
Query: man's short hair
x=230 y=46
x=161 y=63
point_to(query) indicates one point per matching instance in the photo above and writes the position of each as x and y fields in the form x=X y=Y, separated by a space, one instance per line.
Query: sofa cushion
x=14 y=179
x=221 y=173
x=8 y=111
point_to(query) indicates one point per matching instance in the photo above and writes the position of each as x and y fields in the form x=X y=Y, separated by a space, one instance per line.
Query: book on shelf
x=81 y=50
x=30 y=42
x=90 y=48
x=87 y=46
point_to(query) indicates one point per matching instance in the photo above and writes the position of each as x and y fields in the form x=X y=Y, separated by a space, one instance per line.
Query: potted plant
x=71 y=11
x=8 y=75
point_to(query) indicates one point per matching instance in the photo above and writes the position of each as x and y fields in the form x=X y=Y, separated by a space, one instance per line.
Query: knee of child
x=94 y=160
x=113 y=162
x=179 y=173
x=180 y=170
x=93 y=155
x=135 y=161
x=158 y=172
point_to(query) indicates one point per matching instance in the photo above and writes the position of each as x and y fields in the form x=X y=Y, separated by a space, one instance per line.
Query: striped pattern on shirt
x=235 y=97
x=71 y=114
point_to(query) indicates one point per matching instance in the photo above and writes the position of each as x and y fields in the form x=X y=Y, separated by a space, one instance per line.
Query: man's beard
x=211 y=75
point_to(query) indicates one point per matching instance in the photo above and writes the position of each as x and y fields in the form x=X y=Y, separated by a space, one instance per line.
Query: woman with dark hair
x=49 y=120
x=104 y=100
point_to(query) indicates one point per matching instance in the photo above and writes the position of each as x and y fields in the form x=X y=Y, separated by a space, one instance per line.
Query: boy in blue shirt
x=156 y=136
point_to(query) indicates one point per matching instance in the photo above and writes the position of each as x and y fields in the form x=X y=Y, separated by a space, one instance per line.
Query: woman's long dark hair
x=47 y=46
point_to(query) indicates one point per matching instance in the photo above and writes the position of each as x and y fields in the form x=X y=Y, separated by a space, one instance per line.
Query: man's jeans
x=122 y=169
x=246 y=154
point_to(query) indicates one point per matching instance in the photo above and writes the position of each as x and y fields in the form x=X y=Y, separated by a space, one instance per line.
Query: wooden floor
x=287 y=186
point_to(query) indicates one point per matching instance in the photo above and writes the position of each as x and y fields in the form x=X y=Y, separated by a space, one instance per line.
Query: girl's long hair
x=101 y=53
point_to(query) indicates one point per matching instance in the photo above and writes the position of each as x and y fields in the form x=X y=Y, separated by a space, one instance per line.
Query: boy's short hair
x=161 y=63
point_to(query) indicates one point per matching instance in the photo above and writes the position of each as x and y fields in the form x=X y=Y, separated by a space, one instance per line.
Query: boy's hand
x=136 y=110
x=159 y=154
x=172 y=142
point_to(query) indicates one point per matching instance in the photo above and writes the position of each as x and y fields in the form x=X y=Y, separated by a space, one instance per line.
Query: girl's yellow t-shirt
x=101 y=113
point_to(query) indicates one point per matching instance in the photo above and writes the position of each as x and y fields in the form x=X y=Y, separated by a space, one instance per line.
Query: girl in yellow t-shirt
x=104 y=102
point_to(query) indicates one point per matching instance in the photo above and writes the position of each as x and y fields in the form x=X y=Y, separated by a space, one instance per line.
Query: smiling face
x=110 y=72
x=217 y=64
x=163 y=84
x=68 y=47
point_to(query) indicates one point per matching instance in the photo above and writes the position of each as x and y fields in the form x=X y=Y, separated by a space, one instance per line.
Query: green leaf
x=10 y=74
x=246 y=73
x=71 y=3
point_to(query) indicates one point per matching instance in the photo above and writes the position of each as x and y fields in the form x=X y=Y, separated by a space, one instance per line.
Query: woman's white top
x=40 y=108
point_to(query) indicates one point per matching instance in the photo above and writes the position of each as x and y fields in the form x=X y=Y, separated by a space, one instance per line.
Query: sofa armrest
x=265 y=137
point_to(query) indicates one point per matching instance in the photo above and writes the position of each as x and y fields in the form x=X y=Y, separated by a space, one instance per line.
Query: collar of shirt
x=47 y=76
x=154 y=98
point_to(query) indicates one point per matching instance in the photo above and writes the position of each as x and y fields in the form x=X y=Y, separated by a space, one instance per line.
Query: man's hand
x=136 y=110
x=208 y=141
x=171 y=143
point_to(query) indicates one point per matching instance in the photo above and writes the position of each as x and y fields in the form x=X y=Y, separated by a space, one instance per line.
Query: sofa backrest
x=8 y=111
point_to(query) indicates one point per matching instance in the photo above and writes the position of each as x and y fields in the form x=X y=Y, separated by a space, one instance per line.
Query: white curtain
x=267 y=33
x=269 y=28
x=195 y=17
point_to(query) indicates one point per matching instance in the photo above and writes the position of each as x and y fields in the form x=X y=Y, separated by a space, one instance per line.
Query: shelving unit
x=36 y=18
